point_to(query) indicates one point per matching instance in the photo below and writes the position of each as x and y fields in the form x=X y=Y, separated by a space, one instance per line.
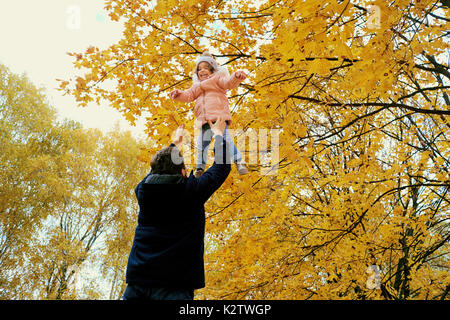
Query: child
x=209 y=91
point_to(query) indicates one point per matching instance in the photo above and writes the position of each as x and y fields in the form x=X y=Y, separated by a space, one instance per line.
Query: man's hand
x=175 y=93
x=218 y=128
x=240 y=75
x=179 y=135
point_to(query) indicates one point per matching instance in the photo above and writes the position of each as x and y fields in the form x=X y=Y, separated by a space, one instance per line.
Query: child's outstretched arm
x=232 y=81
x=188 y=95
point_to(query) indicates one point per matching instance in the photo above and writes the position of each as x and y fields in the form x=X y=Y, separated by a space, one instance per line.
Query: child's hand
x=240 y=75
x=175 y=93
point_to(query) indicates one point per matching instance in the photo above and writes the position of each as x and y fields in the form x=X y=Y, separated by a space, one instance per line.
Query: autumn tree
x=99 y=175
x=67 y=198
x=358 y=207
x=26 y=187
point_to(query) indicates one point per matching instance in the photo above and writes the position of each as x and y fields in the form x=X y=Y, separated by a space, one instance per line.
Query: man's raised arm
x=215 y=176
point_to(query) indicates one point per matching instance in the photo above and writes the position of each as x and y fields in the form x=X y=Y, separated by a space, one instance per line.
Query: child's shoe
x=198 y=172
x=242 y=168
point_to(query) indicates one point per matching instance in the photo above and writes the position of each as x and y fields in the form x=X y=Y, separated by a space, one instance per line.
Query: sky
x=34 y=38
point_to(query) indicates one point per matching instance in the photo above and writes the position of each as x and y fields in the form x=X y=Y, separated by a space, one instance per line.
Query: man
x=166 y=259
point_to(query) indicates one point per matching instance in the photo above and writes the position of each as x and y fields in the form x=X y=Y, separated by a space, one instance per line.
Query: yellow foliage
x=63 y=190
x=362 y=175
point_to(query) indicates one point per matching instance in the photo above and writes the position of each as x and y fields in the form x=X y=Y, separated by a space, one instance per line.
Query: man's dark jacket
x=168 y=245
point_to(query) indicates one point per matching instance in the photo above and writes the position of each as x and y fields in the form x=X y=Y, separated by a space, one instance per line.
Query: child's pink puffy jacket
x=211 y=97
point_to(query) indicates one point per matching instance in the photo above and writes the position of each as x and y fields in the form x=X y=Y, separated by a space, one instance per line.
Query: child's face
x=203 y=70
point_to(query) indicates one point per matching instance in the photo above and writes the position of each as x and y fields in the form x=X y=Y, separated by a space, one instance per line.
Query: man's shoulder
x=165 y=179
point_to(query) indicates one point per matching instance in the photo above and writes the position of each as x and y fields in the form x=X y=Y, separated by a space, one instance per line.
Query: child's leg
x=236 y=157
x=204 y=139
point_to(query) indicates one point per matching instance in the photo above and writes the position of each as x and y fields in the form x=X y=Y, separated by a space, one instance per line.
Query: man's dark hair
x=167 y=161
